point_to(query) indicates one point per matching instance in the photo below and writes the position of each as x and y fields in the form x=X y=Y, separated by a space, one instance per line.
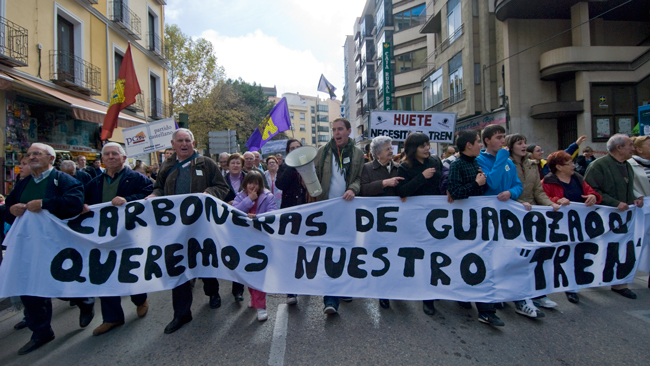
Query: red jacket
x=554 y=189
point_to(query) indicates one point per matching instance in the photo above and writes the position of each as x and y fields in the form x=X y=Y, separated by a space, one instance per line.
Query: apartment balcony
x=155 y=44
x=454 y=99
x=428 y=66
x=556 y=63
x=447 y=42
x=13 y=43
x=159 y=109
x=74 y=73
x=91 y=2
x=125 y=18
x=554 y=9
x=433 y=24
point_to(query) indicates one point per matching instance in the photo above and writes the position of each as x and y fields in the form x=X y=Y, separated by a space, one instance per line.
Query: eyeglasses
x=569 y=163
x=36 y=154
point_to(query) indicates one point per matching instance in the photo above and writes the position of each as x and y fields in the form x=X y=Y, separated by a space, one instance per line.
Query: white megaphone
x=302 y=159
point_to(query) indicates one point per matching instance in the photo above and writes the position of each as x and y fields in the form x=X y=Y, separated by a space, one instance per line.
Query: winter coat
x=205 y=177
x=133 y=186
x=64 y=196
x=415 y=184
x=532 y=190
x=324 y=172
x=265 y=202
x=641 y=182
x=500 y=174
x=555 y=190
x=372 y=177
x=289 y=181
x=604 y=177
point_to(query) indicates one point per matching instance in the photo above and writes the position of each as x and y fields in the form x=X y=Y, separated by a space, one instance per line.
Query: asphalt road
x=604 y=329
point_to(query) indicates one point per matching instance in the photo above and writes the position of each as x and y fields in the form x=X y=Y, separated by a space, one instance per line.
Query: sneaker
x=262 y=315
x=572 y=297
x=490 y=318
x=292 y=299
x=626 y=292
x=329 y=309
x=544 y=302
x=526 y=307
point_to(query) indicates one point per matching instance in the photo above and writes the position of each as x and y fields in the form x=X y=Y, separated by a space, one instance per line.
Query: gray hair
x=48 y=148
x=224 y=154
x=183 y=130
x=615 y=141
x=114 y=144
x=248 y=152
x=67 y=164
x=377 y=143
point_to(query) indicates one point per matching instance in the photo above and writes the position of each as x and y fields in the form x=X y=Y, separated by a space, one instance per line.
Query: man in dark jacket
x=62 y=195
x=117 y=185
x=467 y=180
x=68 y=166
x=289 y=181
x=613 y=178
x=183 y=173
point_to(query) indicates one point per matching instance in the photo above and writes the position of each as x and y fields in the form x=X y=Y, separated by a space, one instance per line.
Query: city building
x=270 y=91
x=349 y=104
x=311 y=118
x=58 y=65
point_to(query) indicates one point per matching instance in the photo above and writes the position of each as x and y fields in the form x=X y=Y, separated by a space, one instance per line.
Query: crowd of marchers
x=482 y=163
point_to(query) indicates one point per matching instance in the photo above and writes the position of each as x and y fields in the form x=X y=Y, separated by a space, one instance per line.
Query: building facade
x=58 y=65
x=311 y=118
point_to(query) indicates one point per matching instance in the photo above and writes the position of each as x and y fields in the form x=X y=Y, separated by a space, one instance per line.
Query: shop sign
x=74 y=148
x=480 y=122
x=149 y=137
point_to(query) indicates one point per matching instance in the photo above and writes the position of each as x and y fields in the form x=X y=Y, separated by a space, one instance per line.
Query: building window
x=302 y=141
x=410 y=18
x=409 y=102
x=323 y=108
x=323 y=129
x=455 y=78
x=117 y=63
x=323 y=138
x=313 y=130
x=313 y=110
x=313 y=140
x=432 y=89
x=302 y=116
x=291 y=113
x=302 y=128
x=153 y=30
x=155 y=96
x=477 y=73
x=313 y=119
x=410 y=60
x=453 y=19
x=614 y=110
x=322 y=118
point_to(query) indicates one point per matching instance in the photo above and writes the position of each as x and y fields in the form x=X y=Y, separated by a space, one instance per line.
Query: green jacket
x=352 y=179
x=604 y=177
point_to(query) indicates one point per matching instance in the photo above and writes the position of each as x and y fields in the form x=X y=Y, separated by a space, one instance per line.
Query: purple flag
x=277 y=121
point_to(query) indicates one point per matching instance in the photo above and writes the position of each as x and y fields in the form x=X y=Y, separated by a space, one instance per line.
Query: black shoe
x=465 y=305
x=626 y=292
x=490 y=318
x=384 y=303
x=86 y=315
x=176 y=324
x=34 y=344
x=572 y=297
x=346 y=299
x=500 y=305
x=428 y=307
x=239 y=297
x=20 y=325
x=215 y=302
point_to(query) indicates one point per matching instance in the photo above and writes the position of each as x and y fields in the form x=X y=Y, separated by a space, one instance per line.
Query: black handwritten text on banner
x=478 y=249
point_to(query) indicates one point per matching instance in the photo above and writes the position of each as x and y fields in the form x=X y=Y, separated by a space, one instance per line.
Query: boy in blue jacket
x=500 y=172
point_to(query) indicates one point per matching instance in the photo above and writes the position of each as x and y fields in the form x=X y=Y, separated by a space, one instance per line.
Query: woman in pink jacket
x=254 y=199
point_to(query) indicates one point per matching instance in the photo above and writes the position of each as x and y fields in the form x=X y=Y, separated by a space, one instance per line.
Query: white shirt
x=337 y=183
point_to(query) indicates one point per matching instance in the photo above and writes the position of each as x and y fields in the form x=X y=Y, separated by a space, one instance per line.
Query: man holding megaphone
x=338 y=168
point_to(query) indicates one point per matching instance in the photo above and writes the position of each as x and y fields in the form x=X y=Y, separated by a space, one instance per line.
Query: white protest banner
x=479 y=249
x=149 y=137
x=397 y=125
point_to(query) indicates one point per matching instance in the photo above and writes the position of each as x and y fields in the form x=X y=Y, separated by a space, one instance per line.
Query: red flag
x=126 y=88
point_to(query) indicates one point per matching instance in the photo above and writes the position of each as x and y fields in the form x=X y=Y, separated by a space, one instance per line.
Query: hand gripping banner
x=479 y=249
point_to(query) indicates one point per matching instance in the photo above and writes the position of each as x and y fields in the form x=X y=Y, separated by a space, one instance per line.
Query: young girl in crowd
x=254 y=199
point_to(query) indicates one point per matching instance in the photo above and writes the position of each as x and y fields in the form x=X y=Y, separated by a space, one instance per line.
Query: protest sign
x=149 y=137
x=398 y=124
x=479 y=249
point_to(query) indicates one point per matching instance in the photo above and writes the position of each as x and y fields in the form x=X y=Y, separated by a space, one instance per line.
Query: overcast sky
x=286 y=43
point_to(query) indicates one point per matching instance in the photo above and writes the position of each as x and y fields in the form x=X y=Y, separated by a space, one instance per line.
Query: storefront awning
x=82 y=109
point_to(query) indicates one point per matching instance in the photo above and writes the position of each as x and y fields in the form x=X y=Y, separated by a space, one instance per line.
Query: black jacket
x=372 y=178
x=232 y=193
x=64 y=196
x=133 y=186
x=414 y=183
x=83 y=177
x=289 y=181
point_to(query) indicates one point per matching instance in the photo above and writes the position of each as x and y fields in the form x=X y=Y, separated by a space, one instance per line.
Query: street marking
x=279 y=342
x=641 y=315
